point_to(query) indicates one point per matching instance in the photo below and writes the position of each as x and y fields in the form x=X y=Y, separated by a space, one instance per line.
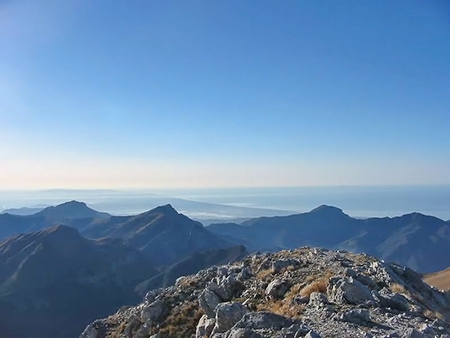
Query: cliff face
x=306 y=292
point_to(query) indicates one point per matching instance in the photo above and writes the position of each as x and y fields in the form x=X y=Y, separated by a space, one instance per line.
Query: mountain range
x=166 y=237
x=162 y=234
x=57 y=280
x=418 y=241
x=66 y=265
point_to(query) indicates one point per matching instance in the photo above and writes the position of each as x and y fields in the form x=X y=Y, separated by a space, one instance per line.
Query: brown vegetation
x=440 y=280
x=264 y=274
x=181 y=321
x=316 y=284
x=397 y=288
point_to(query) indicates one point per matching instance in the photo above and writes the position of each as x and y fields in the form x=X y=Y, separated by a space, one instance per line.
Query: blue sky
x=126 y=94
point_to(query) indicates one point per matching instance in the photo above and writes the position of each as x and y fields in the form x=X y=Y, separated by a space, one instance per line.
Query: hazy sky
x=215 y=93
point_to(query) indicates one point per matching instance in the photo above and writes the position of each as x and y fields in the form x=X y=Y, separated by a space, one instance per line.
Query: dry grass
x=293 y=291
x=286 y=306
x=311 y=278
x=316 y=284
x=117 y=332
x=181 y=321
x=433 y=314
x=397 y=288
x=282 y=307
x=440 y=280
x=264 y=274
x=291 y=268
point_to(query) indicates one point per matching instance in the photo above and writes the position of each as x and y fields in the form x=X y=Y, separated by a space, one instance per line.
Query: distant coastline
x=357 y=201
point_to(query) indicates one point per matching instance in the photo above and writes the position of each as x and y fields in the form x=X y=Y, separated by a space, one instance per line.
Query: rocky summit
x=307 y=292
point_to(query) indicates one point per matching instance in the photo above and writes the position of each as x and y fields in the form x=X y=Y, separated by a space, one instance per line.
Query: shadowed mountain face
x=56 y=281
x=162 y=234
x=418 y=241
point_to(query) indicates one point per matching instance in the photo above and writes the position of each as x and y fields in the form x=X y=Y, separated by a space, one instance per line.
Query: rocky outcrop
x=307 y=292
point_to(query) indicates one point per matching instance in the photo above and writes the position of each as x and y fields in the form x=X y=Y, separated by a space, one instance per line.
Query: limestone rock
x=276 y=289
x=312 y=334
x=356 y=316
x=228 y=314
x=208 y=301
x=391 y=300
x=90 y=332
x=264 y=320
x=280 y=264
x=204 y=327
x=152 y=312
x=350 y=290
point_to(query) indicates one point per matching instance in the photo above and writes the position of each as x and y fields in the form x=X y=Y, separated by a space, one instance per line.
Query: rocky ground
x=307 y=292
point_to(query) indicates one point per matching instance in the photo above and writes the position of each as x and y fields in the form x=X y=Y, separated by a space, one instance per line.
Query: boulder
x=294 y=331
x=204 y=327
x=312 y=334
x=412 y=333
x=90 y=332
x=317 y=299
x=281 y=264
x=348 y=290
x=152 y=312
x=237 y=333
x=226 y=288
x=264 y=320
x=208 y=301
x=244 y=274
x=152 y=294
x=356 y=316
x=276 y=289
x=391 y=300
x=228 y=314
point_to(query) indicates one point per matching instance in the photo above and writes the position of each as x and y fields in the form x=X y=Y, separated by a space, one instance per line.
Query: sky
x=142 y=94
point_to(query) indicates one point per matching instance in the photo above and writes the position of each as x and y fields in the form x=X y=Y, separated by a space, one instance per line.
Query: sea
x=356 y=201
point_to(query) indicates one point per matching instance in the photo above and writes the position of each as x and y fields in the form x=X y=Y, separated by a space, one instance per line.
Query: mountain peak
x=73 y=203
x=167 y=209
x=59 y=228
x=327 y=210
x=71 y=209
